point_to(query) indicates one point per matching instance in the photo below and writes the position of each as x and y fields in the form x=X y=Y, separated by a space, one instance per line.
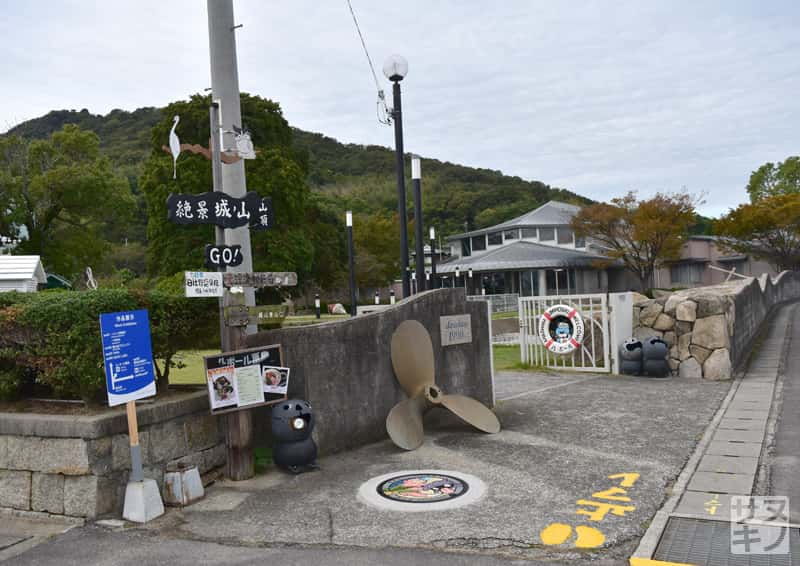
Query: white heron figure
x=174 y=146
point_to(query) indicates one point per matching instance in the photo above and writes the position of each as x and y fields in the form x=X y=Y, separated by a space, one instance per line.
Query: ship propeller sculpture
x=413 y=363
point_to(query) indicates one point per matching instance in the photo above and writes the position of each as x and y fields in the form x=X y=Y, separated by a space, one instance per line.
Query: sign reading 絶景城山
x=220 y=209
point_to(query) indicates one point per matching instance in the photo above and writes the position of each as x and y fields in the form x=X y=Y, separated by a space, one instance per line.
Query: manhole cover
x=422 y=488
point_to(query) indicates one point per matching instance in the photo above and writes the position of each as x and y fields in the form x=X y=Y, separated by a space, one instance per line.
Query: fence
x=499 y=303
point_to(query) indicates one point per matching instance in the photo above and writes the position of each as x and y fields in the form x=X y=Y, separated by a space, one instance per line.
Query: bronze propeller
x=413 y=363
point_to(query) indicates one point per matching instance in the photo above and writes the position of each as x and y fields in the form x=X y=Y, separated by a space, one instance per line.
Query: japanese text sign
x=127 y=356
x=220 y=209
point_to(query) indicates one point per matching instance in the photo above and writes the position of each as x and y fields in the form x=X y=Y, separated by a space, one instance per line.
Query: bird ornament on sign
x=244 y=147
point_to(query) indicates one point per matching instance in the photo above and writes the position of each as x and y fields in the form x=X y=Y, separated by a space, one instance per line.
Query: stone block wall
x=711 y=329
x=79 y=466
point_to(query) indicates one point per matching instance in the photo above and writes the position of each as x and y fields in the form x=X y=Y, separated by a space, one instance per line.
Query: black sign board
x=223 y=256
x=239 y=380
x=220 y=209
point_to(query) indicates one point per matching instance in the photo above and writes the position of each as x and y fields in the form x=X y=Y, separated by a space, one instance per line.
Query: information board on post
x=203 y=284
x=127 y=356
x=243 y=379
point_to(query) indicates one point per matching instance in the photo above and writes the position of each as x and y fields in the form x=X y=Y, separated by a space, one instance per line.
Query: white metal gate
x=594 y=354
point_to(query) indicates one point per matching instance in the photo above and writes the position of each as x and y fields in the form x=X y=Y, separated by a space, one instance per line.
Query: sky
x=596 y=97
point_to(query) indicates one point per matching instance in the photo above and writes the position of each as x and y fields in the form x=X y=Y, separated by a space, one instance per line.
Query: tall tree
x=62 y=196
x=775 y=179
x=641 y=234
x=768 y=229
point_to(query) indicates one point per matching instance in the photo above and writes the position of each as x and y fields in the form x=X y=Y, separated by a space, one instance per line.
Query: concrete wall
x=79 y=465
x=344 y=368
x=711 y=329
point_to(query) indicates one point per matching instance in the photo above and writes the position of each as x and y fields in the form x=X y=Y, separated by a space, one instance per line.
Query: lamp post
x=416 y=177
x=455 y=279
x=352 y=262
x=396 y=68
x=432 y=234
x=317 y=305
x=469 y=273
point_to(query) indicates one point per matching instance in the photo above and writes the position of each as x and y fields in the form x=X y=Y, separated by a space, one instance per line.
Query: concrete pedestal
x=142 y=501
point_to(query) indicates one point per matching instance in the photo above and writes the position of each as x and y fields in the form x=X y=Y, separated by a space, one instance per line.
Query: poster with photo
x=222 y=387
x=275 y=379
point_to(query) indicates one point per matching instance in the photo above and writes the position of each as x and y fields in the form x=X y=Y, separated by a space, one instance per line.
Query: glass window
x=564 y=236
x=510 y=234
x=495 y=238
x=580 y=242
x=547 y=234
x=687 y=273
x=529 y=233
x=466 y=250
x=478 y=243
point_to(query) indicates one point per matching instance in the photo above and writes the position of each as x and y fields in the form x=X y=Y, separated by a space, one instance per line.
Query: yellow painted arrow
x=650 y=562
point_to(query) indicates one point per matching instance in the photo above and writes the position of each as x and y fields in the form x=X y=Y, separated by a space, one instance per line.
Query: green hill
x=346 y=176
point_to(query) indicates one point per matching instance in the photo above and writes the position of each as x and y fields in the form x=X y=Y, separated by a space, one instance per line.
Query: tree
x=278 y=171
x=375 y=239
x=64 y=194
x=768 y=229
x=641 y=234
x=775 y=179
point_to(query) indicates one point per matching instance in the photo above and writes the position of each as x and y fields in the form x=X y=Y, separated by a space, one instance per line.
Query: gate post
x=620 y=322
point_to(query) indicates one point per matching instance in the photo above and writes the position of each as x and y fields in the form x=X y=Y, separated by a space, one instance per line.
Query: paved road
x=594 y=455
x=784 y=461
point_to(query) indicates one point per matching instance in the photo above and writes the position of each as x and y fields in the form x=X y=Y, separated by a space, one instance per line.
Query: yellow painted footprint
x=559 y=533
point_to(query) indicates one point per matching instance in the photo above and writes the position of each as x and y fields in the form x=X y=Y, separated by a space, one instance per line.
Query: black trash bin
x=655 y=357
x=630 y=357
x=293 y=448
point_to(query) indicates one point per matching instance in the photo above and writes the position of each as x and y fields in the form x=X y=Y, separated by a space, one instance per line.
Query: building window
x=564 y=236
x=580 y=242
x=510 y=234
x=479 y=243
x=687 y=273
x=529 y=233
x=466 y=250
x=495 y=238
x=547 y=234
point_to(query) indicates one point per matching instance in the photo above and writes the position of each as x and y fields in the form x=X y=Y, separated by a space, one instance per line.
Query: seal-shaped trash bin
x=293 y=449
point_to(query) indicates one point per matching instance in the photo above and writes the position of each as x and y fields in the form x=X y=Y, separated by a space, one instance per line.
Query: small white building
x=23 y=273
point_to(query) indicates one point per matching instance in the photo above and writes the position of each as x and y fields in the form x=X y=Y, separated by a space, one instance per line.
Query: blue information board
x=127 y=356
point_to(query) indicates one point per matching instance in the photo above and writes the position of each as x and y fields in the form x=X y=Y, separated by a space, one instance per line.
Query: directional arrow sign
x=241 y=315
x=261 y=279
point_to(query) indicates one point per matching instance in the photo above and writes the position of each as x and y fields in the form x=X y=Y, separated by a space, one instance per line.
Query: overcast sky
x=597 y=97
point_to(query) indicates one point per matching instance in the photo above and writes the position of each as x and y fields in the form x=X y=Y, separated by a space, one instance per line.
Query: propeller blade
x=404 y=423
x=412 y=357
x=475 y=413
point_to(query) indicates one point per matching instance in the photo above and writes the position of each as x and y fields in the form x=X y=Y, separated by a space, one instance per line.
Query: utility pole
x=225 y=90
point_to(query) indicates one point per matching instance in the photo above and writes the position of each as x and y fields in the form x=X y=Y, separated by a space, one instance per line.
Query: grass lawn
x=194 y=372
x=502 y=315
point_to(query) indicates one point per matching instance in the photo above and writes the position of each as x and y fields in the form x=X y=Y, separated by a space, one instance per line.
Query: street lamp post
x=432 y=234
x=416 y=177
x=469 y=272
x=455 y=279
x=352 y=263
x=396 y=68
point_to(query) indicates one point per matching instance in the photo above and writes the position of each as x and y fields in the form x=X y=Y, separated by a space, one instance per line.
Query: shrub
x=57 y=336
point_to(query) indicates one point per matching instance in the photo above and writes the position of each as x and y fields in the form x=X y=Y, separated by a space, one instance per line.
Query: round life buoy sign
x=561 y=329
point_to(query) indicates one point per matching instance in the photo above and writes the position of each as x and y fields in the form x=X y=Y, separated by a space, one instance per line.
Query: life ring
x=561 y=329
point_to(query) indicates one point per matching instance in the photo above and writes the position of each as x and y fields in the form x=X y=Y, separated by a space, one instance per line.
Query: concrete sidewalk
x=587 y=453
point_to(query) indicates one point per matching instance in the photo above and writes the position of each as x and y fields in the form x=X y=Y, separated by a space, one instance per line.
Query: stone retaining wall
x=79 y=465
x=710 y=329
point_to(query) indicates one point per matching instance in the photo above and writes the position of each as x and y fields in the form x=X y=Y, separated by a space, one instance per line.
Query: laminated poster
x=248 y=385
x=276 y=379
x=222 y=387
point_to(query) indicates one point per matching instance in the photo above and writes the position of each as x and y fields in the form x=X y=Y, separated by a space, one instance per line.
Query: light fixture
x=348 y=218
x=395 y=68
x=432 y=233
x=416 y=167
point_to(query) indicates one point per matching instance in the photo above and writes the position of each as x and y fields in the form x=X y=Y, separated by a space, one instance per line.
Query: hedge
x=51 y=340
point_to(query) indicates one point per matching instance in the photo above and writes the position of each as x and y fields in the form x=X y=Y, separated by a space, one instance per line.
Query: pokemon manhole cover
x=421 y=490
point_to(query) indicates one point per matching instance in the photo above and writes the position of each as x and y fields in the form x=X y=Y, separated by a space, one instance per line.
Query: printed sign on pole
x=203 y=284
x=127 y=356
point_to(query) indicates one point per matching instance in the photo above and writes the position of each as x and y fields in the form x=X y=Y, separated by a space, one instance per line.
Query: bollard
x=316 y=304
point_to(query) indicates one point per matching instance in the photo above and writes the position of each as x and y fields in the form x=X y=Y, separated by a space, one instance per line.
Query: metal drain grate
x=708 y=543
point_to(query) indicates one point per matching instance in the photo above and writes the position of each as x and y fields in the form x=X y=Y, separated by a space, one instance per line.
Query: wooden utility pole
x=230 y=178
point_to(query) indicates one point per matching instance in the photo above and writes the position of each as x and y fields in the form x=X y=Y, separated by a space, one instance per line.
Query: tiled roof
x=521 y=255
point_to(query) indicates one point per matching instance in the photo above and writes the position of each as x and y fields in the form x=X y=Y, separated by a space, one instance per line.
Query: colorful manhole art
x=421 y=490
